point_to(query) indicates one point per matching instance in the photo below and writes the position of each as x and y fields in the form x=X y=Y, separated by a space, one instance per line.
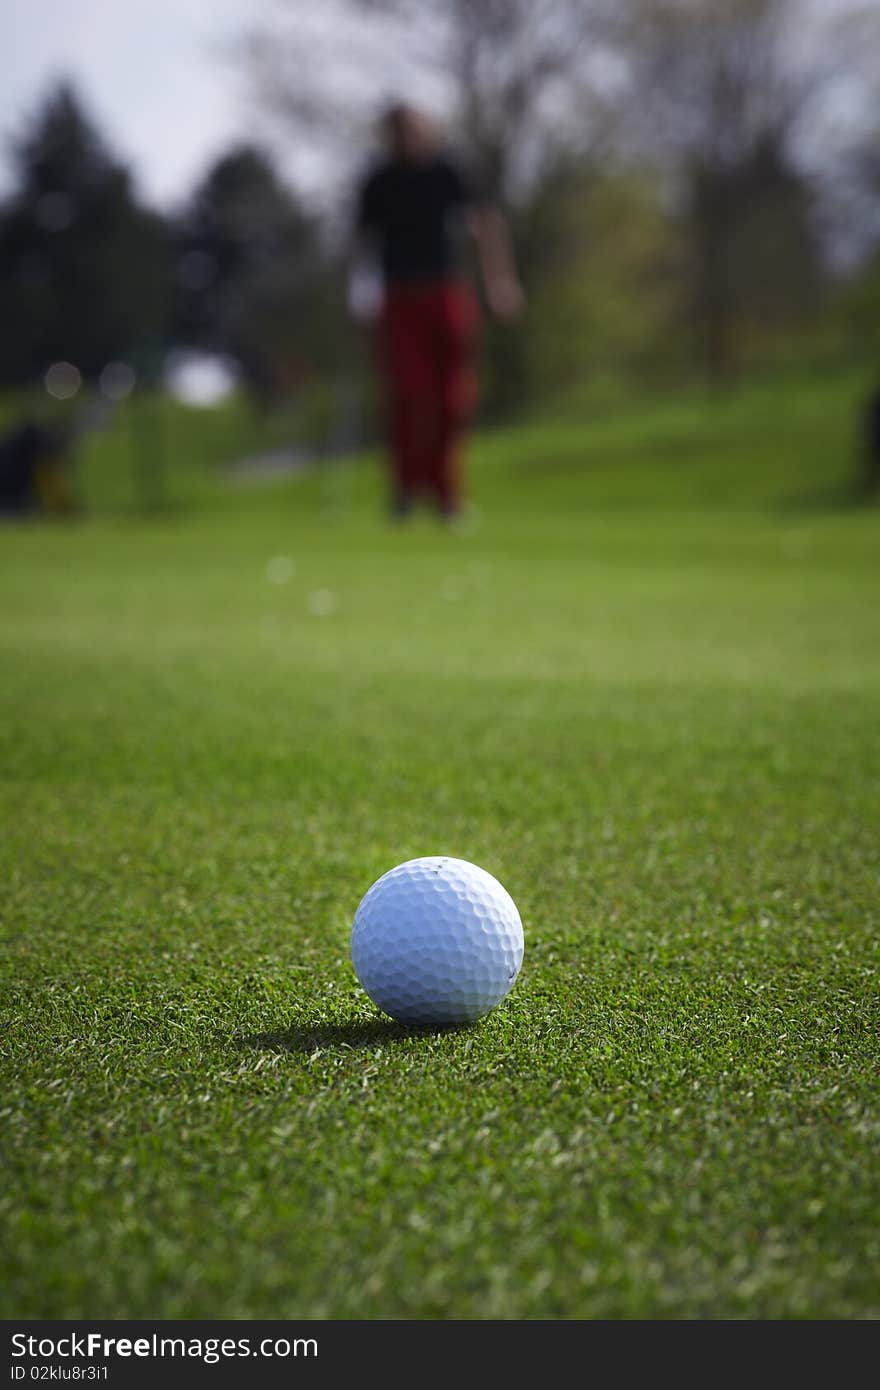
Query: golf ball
x=437 y=940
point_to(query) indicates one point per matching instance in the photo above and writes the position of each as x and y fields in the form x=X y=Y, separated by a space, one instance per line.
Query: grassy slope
x=645 y=695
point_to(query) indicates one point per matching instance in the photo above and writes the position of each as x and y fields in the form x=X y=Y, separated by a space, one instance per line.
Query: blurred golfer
x=415 y=213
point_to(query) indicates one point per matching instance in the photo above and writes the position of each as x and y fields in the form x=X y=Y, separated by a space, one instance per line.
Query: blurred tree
x=845 y=146
x=84 y=270
x=755 y=267
x=858 y=312
x=852 y=205
x=252 y=280
x=723 y=91
x=603 y=260
x=517 y=78
x=734 y=104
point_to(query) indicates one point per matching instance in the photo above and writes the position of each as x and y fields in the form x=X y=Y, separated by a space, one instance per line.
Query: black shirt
x=415 y=214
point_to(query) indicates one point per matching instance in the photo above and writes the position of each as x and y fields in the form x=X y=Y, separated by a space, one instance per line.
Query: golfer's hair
x=393 y=112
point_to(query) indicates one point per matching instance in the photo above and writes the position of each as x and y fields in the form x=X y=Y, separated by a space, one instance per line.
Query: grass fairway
x=645 y=694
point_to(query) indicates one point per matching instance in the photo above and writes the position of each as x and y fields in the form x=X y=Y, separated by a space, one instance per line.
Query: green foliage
x=644 y=693
x=600 y=257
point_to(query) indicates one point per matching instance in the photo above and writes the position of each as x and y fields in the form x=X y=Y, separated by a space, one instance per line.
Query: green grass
x=644 y=693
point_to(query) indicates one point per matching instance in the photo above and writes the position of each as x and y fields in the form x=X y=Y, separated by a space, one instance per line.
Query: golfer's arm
x=363 y=290
x=358 y=252
x=489 y=231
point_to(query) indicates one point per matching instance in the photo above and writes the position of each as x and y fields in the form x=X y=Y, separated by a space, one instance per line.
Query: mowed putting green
x=644 y=693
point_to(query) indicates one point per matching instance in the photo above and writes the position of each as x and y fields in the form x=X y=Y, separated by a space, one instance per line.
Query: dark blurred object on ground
x=871 y=475
x=35 y=471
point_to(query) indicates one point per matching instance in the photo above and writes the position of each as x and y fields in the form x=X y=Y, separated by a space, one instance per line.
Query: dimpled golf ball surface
x=437 y=941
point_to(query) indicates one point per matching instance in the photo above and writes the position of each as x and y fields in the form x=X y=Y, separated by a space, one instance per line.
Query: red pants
x=428 y=355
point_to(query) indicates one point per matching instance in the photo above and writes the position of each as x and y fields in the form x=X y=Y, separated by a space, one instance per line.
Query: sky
x=158 y=79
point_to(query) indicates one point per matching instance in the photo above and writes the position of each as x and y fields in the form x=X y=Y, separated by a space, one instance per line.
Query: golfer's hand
x=505 y=297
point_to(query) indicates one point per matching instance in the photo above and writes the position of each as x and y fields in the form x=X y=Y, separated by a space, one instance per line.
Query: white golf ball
x=437 y=940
